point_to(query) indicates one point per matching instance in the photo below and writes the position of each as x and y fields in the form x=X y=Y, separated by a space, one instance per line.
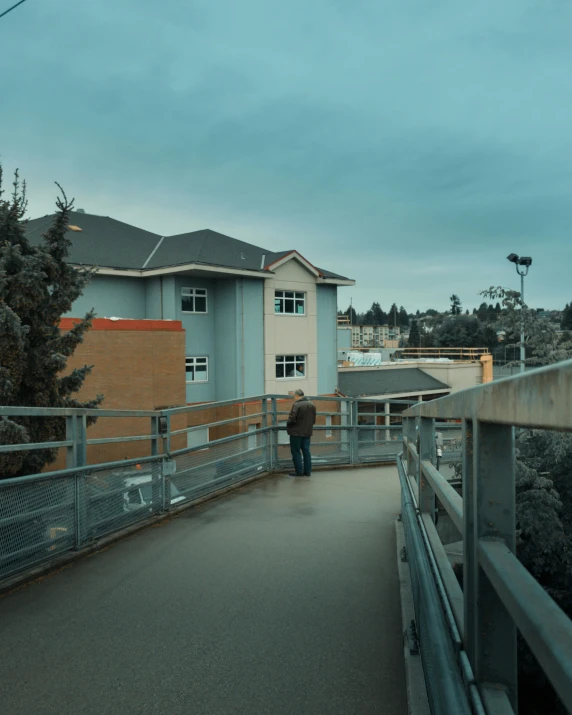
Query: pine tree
x=456 y=307
x=414 y=336
x=566 y=323
x=37 y=287
x=402 y=317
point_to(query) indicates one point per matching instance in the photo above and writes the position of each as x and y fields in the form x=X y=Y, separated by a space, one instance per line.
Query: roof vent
x=80 y=211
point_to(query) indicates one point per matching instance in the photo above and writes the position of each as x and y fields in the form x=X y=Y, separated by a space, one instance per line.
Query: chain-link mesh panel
x=328 y=446
x=215 y=466
x=376 y=444
x=37 y=522
x=116 y=498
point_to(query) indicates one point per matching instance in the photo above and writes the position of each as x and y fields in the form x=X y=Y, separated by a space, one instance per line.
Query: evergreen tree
x=392 y=316
x=352 y=315
x=402 y=317
x=379 y=317
x=37 y=287
x=455 y=305
x=566 y=323
x=414 y=336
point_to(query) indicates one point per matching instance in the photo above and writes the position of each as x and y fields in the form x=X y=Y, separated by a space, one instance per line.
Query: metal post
x=522 y=349
x=274 y=434
x=80 y=438
x=155 y=436
x=267 y=449
x=426 y=450
x=354 y=436
x=470 y=563
x=387 y=420
x=72 y=449
x=493 y=631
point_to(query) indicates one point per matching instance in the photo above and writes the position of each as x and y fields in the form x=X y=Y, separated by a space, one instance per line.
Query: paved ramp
x=279 y=599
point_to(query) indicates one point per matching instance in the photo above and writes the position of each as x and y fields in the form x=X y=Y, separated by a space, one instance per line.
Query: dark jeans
x=301 y=445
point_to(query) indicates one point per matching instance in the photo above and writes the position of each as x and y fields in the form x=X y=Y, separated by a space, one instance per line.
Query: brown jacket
x=302 y=418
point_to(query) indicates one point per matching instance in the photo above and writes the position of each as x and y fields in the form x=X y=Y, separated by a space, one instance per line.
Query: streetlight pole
x=524 y=263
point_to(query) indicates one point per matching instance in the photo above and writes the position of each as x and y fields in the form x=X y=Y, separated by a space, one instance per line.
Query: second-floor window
x=197 y=369
x=194 y=300
x=290 y=366
x=289 y=302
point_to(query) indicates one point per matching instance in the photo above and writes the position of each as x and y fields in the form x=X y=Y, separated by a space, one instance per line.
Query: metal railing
x=499 y=595
x=220 y=445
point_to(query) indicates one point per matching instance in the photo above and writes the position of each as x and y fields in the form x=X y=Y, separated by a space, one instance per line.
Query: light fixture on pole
x=522 y=265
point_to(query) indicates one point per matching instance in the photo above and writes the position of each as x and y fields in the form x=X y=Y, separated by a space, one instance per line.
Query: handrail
x=500 y=595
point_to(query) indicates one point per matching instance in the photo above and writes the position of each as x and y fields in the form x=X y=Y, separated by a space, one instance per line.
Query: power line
x=11 y=8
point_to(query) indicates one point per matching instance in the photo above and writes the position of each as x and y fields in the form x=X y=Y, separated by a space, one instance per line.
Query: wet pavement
x=280 y=598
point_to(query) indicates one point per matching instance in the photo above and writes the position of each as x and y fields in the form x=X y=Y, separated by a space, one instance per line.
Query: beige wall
x=459 y=375
x=291 y=335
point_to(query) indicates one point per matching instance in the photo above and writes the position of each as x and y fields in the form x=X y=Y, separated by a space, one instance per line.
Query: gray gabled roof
x=390 y=381
x=103 y=241
x=106 y=242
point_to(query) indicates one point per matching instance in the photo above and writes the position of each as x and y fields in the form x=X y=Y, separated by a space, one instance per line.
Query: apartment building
x=374 y=336
x=255 y=321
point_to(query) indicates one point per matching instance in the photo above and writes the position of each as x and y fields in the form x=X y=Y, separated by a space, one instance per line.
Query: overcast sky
x=410 y=145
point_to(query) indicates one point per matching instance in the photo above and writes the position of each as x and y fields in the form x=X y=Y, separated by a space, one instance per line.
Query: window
x=287 y=302
x=290 y=366
x=197 y=369
x=194 y=300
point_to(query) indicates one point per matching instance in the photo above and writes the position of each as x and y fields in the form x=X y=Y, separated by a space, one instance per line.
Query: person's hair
x=299 y=392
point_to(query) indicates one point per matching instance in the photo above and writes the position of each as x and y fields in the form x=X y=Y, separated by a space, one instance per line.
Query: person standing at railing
x=300 y=427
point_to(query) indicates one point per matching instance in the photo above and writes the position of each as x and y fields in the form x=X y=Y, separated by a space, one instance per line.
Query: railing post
x=425 y=450
x=492 y=632
x=354 y=436
x=274 y=434
x=409 y=435
x=79 y=431
x=267 y=443
x=155 y=436
x=470 y=561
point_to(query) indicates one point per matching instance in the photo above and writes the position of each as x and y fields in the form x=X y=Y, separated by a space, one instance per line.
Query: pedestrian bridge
x=281 y=597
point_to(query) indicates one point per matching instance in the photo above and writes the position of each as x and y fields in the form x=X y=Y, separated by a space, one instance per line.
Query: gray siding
x=252 y=330
x=199 y=334
x=112 y=297
x=239 y=338
x=327 y=305
x=153 y=298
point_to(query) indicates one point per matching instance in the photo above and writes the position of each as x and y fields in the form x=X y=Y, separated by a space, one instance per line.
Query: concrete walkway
x=281 y=599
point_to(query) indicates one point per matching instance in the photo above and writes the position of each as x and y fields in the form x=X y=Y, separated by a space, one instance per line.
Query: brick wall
x=138 y=365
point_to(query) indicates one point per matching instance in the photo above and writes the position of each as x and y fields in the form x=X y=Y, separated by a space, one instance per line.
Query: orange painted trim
x=125 y=324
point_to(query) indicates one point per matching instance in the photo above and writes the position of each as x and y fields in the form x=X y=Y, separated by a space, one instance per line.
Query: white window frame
x=194 y=293
x=292 y=360
x=280 y=297
x=191 y=361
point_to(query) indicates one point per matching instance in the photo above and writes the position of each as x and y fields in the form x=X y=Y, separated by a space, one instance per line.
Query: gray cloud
x=410 y=144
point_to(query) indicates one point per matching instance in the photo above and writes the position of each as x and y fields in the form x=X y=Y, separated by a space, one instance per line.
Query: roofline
x=338 y=282
x=169 y=270
x=299 y=257
x=391 y=395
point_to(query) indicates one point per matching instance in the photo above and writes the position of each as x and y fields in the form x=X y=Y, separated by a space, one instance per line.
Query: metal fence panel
x=37 y=522
x=216 y=466
x=117 y=498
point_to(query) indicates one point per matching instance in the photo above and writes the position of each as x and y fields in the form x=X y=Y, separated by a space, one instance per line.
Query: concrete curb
x=417 y=701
